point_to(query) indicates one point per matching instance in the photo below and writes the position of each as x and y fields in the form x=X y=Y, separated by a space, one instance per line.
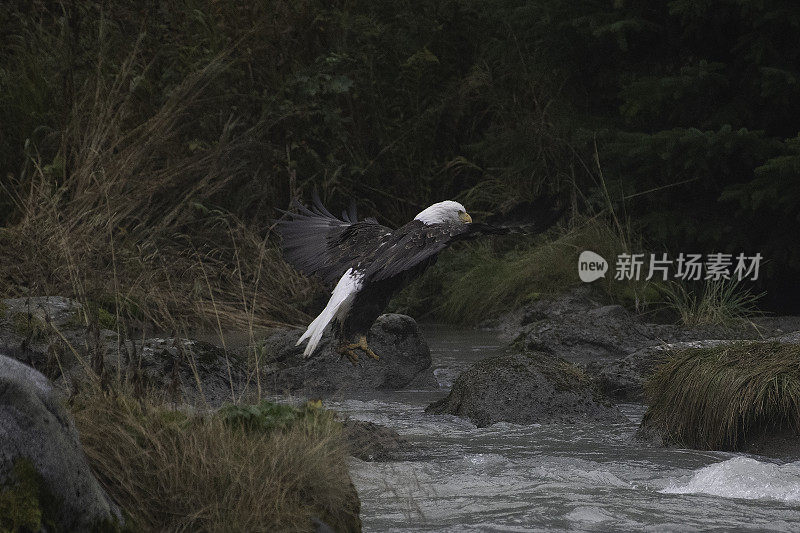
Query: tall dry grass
x=173 y=471
x=120 y=218
x=716 y=303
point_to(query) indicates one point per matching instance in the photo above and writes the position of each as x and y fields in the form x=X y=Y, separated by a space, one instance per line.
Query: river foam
x=745 y=478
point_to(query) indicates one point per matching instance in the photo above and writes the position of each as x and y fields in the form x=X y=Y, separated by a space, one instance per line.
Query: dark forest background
x=145 y=146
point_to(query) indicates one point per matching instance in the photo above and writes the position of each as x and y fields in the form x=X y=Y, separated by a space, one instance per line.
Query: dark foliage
x=680 y=116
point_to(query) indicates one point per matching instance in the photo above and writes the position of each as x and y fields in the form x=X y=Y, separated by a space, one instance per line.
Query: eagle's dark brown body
x=380 y=261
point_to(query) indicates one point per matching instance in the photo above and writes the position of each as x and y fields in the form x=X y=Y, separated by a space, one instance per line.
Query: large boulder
x=40 y=453
x=31 y=330
x=49 y=334
x=617 y=348
x=603 y=333
x=524 y=388
x=405 y=361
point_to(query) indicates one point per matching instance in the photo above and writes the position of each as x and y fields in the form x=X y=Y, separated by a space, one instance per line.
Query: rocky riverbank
x=568 y=360
x=618 y=348
x=44 y=468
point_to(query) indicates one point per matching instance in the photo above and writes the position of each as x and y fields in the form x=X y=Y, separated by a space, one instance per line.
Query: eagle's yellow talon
x=362 y=343
x=349 y=350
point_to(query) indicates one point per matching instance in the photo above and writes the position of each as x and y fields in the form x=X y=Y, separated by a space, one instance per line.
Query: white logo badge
x=591 y=266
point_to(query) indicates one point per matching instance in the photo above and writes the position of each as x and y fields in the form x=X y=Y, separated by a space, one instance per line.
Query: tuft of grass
x=93 y=313
x=475 y=281
x=171 y=470
x=715 y=303
x=267 y=415
x=723 y=397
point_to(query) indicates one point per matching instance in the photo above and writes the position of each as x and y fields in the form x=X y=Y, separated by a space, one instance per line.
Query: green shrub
x=268 y=416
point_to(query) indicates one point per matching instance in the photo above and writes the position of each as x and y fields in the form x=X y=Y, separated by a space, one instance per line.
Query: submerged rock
x=40 y=452
x=405 y=360
x=529 y=388
x=372 y=442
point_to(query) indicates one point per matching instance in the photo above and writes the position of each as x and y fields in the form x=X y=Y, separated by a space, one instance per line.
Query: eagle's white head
x=447 y=211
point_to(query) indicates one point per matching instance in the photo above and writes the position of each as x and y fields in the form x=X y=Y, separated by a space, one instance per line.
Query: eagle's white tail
x=341 y=298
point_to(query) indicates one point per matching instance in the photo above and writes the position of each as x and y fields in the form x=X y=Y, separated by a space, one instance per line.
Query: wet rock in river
x=405 y=360
x=525 y=388
x=603 y=333
x=617 y=347
x=623 y=379
x=372 y=442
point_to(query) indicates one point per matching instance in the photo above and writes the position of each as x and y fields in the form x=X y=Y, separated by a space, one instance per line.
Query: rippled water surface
x=591 y=477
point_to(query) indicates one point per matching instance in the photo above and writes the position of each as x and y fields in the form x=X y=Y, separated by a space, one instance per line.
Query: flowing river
x=585 y=477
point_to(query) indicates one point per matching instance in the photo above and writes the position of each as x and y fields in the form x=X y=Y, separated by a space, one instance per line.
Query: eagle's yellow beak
x=465 y=218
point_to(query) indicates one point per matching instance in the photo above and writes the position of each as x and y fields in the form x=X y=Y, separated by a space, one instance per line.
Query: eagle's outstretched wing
x=317 y=243
x=417 y=242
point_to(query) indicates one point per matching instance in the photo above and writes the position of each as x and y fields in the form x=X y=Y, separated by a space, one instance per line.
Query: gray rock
x=192 y=371
x=603 y=333
x=372 y=442
x=623 y=379
x=35 y=427
x=56 y=310
x=618 y=348
x=405 y=360
x=525 y=388
x=187 y=370
x=45 y=332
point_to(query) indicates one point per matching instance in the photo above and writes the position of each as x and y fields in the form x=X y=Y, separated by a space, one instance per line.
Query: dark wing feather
x=318 y=244
x=416 y=242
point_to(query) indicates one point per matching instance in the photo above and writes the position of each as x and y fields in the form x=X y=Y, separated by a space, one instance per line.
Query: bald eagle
x=366 y=263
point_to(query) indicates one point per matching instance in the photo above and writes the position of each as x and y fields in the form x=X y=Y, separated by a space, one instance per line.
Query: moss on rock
x=25 y=502
x=93 y=312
